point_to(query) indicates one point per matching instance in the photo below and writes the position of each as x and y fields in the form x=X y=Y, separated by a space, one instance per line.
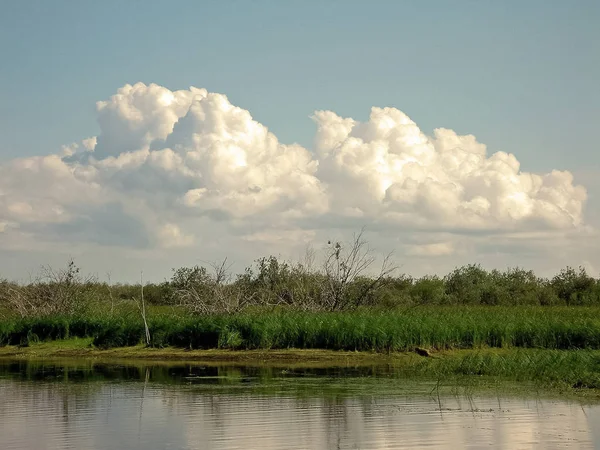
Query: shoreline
x=53 y=350
x=568 y=372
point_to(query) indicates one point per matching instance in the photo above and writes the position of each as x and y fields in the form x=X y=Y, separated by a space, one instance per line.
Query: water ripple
x=145 y=415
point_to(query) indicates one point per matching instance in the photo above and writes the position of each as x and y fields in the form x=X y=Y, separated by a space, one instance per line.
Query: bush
x=466 y=285
x=576 y=287
x=342 y=284
x=428 y=290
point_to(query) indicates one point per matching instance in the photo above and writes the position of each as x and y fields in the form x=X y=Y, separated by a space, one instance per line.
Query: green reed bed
x=438 y=327
x=578 y=369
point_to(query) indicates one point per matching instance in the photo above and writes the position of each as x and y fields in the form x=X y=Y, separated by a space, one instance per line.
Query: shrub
x=429 y=290
x=575 y=287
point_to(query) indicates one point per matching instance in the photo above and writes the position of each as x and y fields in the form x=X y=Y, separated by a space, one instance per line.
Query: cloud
x=137 y=115
x=387 y=168
x=179 y=169
x=433 y=249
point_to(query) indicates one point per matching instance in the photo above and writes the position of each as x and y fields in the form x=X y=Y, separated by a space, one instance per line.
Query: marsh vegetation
x=342 y=300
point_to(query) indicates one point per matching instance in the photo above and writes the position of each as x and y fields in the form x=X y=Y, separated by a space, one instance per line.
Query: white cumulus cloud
x=168 y=169
x=388 y=168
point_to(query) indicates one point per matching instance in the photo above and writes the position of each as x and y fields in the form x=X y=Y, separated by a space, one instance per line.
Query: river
x=92 y=405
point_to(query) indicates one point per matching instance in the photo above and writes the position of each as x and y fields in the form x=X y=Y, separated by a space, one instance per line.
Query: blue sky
x=522 y=76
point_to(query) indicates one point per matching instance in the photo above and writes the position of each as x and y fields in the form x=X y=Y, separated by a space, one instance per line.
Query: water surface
x=86 y=405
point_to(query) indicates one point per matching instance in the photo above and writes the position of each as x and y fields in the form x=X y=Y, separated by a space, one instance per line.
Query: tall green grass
x=370 y=330
x=577 y=369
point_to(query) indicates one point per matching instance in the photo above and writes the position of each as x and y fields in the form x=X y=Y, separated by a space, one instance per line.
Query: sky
x=147 y=135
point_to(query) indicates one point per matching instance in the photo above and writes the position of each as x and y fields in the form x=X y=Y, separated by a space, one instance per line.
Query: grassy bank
x=81 y=349
x=438 y=328
x=574 y=371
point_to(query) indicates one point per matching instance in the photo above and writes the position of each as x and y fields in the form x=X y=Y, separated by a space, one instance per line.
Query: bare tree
x=142 y=308
x=17 y=298
x=305 y=282
x=62 y=291
x=110 y=294
x=225 y=296
x=344 y=265
x=205 y=292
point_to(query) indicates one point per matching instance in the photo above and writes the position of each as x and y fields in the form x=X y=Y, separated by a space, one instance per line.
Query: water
x=85 y=405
